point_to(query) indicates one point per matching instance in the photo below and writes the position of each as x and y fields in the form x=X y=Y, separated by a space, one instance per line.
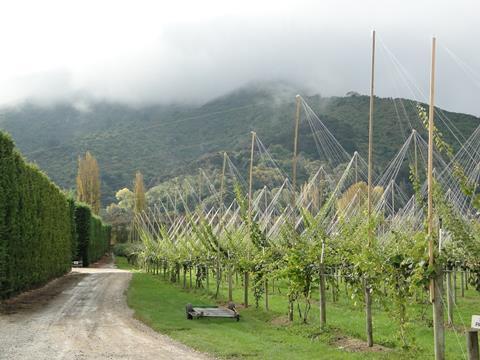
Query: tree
x=88 y=181
x=139 y=193
x=125 y=198
x=356 y=196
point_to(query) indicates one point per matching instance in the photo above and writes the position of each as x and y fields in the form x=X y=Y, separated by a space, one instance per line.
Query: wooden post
x=200 y=188
x=450 y=301
x=436 y=282
x=466 y=279
x=455 y=284
x=266 y=295
x=462 y=282
x=245 y=285
x=265 y=285
x=295 y=150
x=230 y=287
x=184 y=277
x=472 y=345
x=368 y=300
x=294 y=181
x=250 y=182
x=415 y=152
x=250 y=195
x=222 y=181
x=393 y=197
x=190 y=271
x=356 y=166
x=207 y=278
x=323 y=301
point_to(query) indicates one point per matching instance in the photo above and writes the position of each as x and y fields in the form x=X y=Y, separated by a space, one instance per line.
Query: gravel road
x=82 y=315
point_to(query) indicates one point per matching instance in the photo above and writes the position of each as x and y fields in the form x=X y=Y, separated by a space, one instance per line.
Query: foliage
x=126 y=138
x=93 y=235
x=139 y=194
x=36 y=227
x=88 y=182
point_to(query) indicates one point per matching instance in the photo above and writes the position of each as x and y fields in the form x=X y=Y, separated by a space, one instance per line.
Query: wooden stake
x=295 y=149
x=250 y=195
x=454 y=285
x=356 y=166
x=222 y=181
x=266 y=295
x=323 y=306
x=415 y=152
x=250 y=182
x=200 y=187
x=449 y=298
x=370 y=133
x=207 y=277
x=393 y=197
x=368 y=300
x=472 y=345
x=436 y=283
x=230 y=285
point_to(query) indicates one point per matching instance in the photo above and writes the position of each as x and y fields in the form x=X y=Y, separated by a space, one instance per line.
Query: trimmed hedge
x=93 y=235
x=35 y=224
x=41 y=230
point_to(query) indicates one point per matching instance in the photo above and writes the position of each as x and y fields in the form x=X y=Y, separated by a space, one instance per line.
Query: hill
x=163 y=141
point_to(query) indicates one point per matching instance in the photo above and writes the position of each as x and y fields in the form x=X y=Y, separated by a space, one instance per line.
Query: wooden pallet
x=196 y=312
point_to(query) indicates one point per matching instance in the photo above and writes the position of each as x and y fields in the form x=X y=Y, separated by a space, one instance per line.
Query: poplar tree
x=139 y=193
x=88 y=181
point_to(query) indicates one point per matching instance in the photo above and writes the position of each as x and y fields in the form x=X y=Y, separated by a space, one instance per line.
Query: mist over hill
x=163 y=141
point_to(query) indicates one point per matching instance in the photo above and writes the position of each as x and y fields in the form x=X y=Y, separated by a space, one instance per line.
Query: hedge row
x=35 y=224
x=93 y=235
x=39 y=232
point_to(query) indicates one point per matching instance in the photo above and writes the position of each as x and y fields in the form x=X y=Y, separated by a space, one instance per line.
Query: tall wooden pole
x=356 y=166
x=430 y=168
x=250 y=178
x=370 y=133
x=415 y=152
x=436 y=282
x=222 y=181
x=294 y=181
x=368 y=298
x=222 y=184
x=250 y=195
x=295 y=150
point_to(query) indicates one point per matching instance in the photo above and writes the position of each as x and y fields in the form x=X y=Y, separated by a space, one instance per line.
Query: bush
x=35 y=224
x=41 y=230
x=93 y=235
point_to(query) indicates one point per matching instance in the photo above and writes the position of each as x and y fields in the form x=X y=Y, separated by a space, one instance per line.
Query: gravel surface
x=82 y=315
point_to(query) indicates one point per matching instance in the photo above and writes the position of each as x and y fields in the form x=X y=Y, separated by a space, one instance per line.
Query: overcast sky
x=162 y=51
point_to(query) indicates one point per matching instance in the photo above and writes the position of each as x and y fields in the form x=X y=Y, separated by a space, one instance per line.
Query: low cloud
x=321 y=46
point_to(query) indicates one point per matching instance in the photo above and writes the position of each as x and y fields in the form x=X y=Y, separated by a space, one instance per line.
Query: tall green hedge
x=35 y=224
x=93 y=235
x=41 y=230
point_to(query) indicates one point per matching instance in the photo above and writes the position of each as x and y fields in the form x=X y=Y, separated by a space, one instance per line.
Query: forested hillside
x=169 y=140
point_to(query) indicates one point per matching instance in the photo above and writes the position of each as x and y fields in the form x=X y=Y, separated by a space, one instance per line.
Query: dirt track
x=82 y=316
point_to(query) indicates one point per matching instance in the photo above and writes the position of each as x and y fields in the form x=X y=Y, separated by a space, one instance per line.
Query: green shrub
x=35 y=224
x=126 y=249
x=93 y=235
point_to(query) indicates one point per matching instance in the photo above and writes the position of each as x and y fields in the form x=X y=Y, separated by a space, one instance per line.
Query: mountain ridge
x=164 y=141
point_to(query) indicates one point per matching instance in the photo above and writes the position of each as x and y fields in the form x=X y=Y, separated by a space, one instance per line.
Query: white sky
x=162 y=51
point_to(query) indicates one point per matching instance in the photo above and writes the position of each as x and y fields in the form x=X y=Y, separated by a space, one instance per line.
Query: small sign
x=475 y=321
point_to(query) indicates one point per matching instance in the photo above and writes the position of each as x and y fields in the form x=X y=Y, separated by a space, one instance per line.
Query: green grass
x=262 y=334
x=122 y=263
